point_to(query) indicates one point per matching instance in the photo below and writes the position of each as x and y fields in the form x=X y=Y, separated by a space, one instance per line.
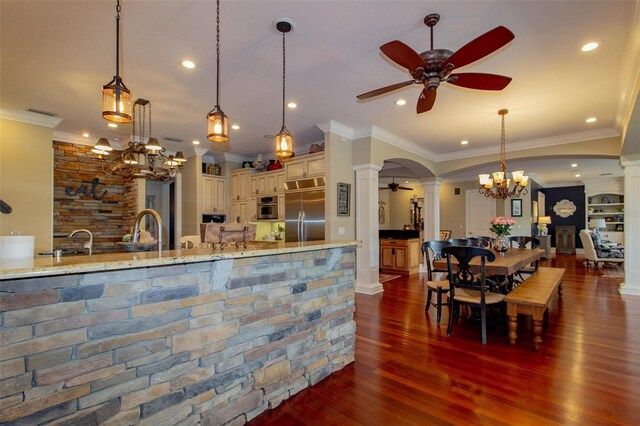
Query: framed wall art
x=516 y=207
x=344 y=199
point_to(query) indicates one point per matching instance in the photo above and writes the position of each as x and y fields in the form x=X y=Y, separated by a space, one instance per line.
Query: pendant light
x=217 y=121
x=284 y=140
x=116 y=98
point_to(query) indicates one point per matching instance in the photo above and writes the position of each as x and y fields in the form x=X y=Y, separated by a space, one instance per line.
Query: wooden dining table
x=505 y=264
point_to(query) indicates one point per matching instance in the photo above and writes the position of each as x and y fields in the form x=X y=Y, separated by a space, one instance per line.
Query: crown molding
x=337 y=128
x=395 y=140
x=533 y=143
x=73 y=138
x=29 y=117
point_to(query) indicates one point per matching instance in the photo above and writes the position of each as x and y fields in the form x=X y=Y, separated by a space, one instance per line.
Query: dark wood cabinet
x=565 y=239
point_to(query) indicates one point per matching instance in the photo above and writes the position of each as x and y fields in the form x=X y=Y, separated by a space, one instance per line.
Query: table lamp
x=543 y=221
x=597 y=224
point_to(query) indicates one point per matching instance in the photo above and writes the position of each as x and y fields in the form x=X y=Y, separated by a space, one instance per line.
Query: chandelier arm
x=117 y=52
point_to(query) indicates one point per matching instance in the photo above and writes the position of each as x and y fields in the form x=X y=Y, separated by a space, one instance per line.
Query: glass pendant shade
x=116 y=101
x=284 y=143
x=217 y=125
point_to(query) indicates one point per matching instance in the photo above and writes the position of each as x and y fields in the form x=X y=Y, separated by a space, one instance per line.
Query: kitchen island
x=195 y=336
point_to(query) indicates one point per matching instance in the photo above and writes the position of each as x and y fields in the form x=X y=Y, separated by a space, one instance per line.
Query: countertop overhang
x=41 y=267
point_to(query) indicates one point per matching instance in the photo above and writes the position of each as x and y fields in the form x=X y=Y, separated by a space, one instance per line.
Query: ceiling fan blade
x=426 y=100
x=480 y=81
x=405 y=188
x=402 y=55
x=383 y=187
x=480 y=47
x=384 y=90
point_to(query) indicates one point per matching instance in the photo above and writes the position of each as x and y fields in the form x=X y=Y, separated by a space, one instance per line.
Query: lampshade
x=598 y=223
x=544 y=220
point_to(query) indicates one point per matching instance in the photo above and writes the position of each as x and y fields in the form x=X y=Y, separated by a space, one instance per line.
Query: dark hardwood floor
x=409 y=372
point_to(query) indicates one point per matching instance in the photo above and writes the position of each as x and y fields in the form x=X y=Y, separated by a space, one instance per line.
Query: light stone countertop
x=41 y=267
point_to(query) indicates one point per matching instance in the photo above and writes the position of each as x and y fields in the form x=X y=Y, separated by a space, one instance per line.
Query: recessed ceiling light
x=235 y=127
x=577 y=175
x=116 y=139
x=465 y=142
x=591 y=120
x=292 y=105
x=590 y=46
x=86 y=135
x=196 y=142
x=114 y=125
x=188 y=64
x=401 y=102
x=574 y=165
x=406 y=181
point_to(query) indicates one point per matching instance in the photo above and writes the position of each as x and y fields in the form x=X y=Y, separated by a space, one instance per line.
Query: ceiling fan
x=393 y=186
x=435 y=66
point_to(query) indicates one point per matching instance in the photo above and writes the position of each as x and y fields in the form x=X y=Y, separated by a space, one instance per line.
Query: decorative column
x=431 y=207
x=631 y=283
x=368 y=253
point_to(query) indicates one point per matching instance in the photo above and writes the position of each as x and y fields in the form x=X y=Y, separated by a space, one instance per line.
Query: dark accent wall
x=574 y=194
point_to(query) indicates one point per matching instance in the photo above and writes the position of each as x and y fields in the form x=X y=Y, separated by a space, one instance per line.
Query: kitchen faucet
x=88 y=244
x=156 y=217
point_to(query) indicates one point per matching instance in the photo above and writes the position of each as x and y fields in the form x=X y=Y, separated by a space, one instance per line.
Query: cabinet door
x=239 y=212
x=270 y=184
x=220 y=199
x=315 y=167
x=280 y=182
x=401 y=260
x=414 y=254
x=253 y=208
x=235 y=187
x=386 y=257
x=254 y=185
x=295 y=169
x=207 y=195
x=281 y=207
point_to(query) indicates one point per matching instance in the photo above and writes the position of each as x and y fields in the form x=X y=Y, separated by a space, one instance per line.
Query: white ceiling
x=56 y=55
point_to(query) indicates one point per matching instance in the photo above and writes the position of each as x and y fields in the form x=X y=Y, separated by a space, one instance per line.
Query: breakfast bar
x=197 y=335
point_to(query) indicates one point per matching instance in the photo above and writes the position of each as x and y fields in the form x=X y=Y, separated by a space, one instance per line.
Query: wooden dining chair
x=432 y=250
x=467 y=287
x=523 y=242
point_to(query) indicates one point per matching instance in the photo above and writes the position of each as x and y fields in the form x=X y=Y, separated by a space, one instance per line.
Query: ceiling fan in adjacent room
x=435 y=66
x=393 y=186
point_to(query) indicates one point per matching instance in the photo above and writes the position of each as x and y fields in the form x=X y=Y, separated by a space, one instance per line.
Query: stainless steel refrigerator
x=304 y=211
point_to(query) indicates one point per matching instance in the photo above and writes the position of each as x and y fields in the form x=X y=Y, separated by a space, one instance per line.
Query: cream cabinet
x=306 y=166
x=281 y=207
x=239 y=212
x=267 y=183
x=214 y=195
x=253 y=208
x=240 y=184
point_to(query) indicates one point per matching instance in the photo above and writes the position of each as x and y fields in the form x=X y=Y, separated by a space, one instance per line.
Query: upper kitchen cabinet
x=267 y=183
x=306 y=166
x=240 y=184
x=214 y=195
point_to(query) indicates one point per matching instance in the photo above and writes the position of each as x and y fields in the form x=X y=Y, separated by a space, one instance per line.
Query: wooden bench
x=531 y=298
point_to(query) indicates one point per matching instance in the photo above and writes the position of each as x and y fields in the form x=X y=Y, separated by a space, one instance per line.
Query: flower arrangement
x=501 y=226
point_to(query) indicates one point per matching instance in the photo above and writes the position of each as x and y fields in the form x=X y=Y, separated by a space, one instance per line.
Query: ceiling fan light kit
x=217 y=121
x=284 y=139
x=116 y=98
x=502 y=188
x=434 y=66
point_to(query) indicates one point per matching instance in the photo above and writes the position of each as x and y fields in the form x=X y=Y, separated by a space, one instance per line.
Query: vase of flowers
x=501 y=226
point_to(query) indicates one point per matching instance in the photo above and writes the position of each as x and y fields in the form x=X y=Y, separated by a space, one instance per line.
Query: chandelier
x=143 y=158
x=502 y=189
x=284 y=139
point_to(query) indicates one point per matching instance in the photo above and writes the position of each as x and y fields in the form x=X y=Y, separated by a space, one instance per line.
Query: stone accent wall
x=203 y=343
x=108 y=218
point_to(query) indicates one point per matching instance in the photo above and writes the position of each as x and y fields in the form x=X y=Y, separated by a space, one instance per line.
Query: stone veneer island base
x=180 y=337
